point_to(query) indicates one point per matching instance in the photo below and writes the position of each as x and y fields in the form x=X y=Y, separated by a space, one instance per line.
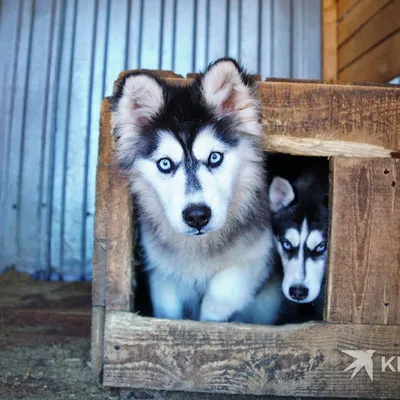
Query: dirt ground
x=45 y=345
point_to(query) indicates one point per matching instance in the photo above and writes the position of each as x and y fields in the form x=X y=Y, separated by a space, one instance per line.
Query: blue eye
x=215 y=159
x=286 y=245
x=320 y=248
x=165 y=165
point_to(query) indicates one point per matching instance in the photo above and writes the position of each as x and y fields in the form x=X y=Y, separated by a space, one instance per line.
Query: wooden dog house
x=359 y=128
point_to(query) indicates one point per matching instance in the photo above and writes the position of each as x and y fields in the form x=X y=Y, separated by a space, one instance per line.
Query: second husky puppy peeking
x=194 y=158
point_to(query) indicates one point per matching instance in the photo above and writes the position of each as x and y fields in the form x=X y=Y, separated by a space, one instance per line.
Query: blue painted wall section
x=59 y=58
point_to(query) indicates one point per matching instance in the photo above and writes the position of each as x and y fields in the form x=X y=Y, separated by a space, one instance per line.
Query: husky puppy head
x=192 y=152
x=300 y=226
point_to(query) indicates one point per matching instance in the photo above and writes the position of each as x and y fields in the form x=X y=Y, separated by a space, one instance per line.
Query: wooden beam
x=329 y=40
x=344 y=7
x=293 y=360
x=358 y=15
x=330 y=120
x=377 y=29
x=380 y=64
x=364 y=252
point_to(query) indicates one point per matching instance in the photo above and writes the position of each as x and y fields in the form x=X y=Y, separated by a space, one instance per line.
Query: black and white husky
x=194 y=158
x=300 y=226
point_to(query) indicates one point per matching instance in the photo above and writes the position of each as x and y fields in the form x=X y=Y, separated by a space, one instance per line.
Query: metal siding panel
x=250 y=35
x=266 y=36
x=116 y=42
x=233 y=36
x=33 y=139
x=48 y=205
x=151 y=46
x=281 y=39
x=200 y=61
x=17 y=128
x=10 y=23
x=184 y=37
x=75 y=193
x=64 y=86
x=217 y=30
x=48 y=160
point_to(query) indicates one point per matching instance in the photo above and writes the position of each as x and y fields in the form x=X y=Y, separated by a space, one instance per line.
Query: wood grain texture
x=364 y=253
x=357 y=16
x=344 y=7
x=101 y=211
x=97 y=340
x=329 y=41
x=120 y=243
x=375 y=30
x=302 y=360
x=380 y=64
x=315 y=115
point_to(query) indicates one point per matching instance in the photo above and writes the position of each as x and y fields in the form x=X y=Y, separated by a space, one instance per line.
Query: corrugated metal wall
x=58 y=58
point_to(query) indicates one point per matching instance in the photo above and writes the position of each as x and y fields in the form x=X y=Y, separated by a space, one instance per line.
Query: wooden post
x=329 y=40
x=100 y=240
x=364 y=253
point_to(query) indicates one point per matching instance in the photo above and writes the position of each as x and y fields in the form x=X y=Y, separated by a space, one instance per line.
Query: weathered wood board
x=376 y=28
x=302 y=360
x=364 y=253
x=329 y=34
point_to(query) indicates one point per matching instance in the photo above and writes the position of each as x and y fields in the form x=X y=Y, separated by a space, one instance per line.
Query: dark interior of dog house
x=199 y=199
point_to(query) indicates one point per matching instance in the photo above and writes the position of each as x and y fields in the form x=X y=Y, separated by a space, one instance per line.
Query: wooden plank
x=364 y=253
x=380 y=64
x=119 y=242
x=328 y=120
x=101 y=213
x=357 y=16
x=97 y=340
x=329 y=40
x=344 y=7
x=295 y=360
x=383 y=24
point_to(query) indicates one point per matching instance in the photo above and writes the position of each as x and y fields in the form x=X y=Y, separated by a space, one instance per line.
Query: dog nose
x=298 y=292
x=197 y=216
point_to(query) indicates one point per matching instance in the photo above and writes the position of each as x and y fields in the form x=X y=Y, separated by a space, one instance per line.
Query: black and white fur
x=194 y=158
x=300 y=226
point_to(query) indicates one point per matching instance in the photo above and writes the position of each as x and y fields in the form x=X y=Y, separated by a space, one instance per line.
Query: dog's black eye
x=215 y=159
x=320 y=248
x=286 y=245
x=165 y=165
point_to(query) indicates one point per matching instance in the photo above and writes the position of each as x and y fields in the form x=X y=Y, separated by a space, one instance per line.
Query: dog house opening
x=293 y=289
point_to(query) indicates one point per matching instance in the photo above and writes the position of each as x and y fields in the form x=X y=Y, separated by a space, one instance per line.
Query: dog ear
x=136 y=101
x=139 y=98
x=229 y=91
x=281 y=194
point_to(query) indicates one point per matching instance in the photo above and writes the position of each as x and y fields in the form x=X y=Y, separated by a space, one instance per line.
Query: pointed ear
x=229 y=91
x=138 y=99
x=280 y=194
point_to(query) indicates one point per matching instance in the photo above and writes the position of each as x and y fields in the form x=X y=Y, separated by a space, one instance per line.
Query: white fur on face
x=299 y=271
x=217 y=184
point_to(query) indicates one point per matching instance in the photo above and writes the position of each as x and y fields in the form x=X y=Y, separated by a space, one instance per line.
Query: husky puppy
x=300 y=227
x=193 y=155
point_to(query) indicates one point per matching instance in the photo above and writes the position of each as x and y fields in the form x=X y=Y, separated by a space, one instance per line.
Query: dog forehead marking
x=314 y=239
x=205 y=143
x=293 y=236
x=168 y=146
